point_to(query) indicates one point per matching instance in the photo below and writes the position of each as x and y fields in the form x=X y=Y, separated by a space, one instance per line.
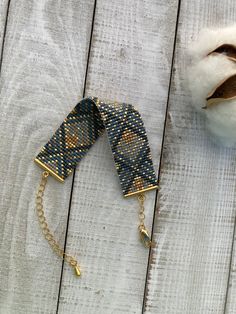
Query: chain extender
x=144 y=235
x=49 y=236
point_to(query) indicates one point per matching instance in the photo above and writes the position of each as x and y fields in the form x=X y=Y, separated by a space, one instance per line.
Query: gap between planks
x=233 y=248
x=230 y=267
x=4 y=35
x=73 y=178
x=161 y=156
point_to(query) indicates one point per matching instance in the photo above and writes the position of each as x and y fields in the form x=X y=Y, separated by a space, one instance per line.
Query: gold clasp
x=144 y=236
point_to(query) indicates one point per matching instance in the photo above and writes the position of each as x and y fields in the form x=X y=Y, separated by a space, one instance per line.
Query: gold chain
x=144 y=235
x=141 y=199
x=45 y=229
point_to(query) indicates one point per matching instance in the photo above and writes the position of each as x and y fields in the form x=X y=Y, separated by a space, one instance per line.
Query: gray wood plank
x=230 y=302
x=3 y=20
x=43 y=72
x=196 y=204
x=130 y=61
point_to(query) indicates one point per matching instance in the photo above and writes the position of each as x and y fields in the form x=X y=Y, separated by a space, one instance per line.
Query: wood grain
x=130 y=61
x=43 y=69
x=3 y=21
x=230 y=304
x=196 y=204
x=193 y=268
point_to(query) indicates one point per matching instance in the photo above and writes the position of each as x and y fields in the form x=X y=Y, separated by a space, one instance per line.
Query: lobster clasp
x=145 y=237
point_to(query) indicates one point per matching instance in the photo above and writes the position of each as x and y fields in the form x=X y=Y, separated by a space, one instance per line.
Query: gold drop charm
x=77 y=270
x=144 y=235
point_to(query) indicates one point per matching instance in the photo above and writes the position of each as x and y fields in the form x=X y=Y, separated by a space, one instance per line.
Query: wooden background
x=53 y=53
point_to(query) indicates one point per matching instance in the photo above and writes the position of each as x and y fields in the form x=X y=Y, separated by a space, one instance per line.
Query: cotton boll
x=205 y=75
x=221 y=121
x=210 y=39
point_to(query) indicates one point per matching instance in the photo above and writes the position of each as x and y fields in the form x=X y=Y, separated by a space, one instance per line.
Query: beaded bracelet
x=70 y=143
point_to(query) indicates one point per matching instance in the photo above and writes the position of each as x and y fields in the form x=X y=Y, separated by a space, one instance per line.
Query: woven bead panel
x=126 y=135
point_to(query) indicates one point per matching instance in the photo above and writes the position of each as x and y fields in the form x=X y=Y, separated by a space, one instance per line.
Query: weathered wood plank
x=130 y=61
x=3 y=21
x=230 y=303
x=196 y=203
x=43 y=71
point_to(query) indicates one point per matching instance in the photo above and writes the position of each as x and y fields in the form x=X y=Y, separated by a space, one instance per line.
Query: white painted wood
x=3 y=16
x=194 y=228
x=230 y=307
x=42 y=78
x=130 y=61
